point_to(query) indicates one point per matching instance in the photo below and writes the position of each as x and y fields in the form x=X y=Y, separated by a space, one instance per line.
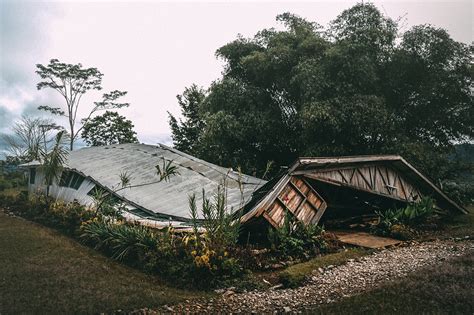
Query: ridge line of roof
x=215 y=167
x=347 y=157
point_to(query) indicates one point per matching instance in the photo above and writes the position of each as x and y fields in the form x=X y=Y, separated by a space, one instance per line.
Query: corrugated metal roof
x=104 y=165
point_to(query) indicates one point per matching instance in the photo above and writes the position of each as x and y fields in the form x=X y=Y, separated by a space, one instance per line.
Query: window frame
x=71 y=179
x=32 y=176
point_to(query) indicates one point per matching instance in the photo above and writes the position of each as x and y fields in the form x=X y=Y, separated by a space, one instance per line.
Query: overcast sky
x=155 y=49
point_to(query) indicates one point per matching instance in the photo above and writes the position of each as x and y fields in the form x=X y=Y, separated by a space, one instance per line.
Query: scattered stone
x=278 y=286
x=228 y=293
x=332 y=283
x=277 y=266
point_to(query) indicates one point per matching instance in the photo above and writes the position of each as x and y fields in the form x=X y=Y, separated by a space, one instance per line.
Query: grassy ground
x=42 y=271
x=461 y=225
x=444 y=288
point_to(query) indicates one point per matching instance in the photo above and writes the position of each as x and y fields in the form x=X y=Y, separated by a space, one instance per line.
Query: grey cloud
x=22 y=39
x=6 y=117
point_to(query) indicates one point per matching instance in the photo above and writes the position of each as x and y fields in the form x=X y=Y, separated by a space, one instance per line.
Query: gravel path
x=330 y=284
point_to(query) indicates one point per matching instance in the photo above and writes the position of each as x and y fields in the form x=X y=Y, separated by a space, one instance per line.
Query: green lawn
x=42 y=271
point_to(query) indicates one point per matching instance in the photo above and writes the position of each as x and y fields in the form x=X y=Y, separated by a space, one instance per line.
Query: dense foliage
x=294 y=239
x=400 y=223
x=11 y=176
x=108 y=128
x=358 y=86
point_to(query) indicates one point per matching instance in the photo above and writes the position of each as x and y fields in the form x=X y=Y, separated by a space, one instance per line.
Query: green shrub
x=67 y=217
x=402 y=232
x=213 y=241
x=122 y=241
x=220 y=229
x=399 y=223
x=5 y=184
x=295 y=239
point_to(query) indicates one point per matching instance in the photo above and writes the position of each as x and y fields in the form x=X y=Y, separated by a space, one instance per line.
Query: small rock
x=278 y=286
x=228 y=293
x=277 y=266
x=287 y=309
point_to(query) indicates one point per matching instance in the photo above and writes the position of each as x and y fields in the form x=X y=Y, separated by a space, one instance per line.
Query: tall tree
x=355 y=87
x=186 y=133
x=109 y=128
x=72 y=81
x=30 y=136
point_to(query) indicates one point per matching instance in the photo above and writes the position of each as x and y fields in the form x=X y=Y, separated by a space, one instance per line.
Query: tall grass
x=123 y=241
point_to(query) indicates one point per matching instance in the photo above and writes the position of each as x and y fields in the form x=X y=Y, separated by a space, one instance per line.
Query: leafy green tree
x=72 y=82
x=358 y=86
x=187 y=132
x=108 y=128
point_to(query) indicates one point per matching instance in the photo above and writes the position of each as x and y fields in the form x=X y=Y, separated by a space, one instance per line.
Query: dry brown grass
x=42 y=271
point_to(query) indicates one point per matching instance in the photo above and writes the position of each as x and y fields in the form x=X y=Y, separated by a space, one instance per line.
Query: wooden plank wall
x=300 y=200
x=378 y=179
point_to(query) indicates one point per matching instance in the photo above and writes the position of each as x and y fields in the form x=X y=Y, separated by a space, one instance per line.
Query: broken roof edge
x=346 y=159
x=434 y=187
x=31 y=163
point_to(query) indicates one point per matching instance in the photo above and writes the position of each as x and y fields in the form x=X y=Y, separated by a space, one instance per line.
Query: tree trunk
x=71 y=141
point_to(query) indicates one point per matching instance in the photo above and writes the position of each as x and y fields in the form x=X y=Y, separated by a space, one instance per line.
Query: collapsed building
x=146 y=198
x=313 y=190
